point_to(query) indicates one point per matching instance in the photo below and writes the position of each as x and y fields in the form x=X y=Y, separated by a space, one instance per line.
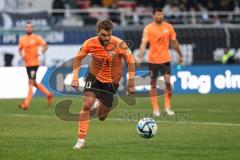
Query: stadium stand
x=130 y=12
x=204 y=27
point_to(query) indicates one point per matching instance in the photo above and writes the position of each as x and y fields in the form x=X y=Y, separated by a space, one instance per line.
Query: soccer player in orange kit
x=28 y=50
x=159 y=33
x=102 y=82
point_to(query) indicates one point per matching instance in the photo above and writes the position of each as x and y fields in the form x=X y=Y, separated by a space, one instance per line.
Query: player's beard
x=29 y=32
x=158 y=21
x=104 y=42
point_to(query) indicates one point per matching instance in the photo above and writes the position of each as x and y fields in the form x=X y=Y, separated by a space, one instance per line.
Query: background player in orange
x=159 y=34
x=104 y=75
x=28 y=50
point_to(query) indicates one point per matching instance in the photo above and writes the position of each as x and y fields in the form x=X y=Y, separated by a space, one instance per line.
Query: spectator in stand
x=96 y=3
x=114 y=16
x=171 y=9
x=17 y=4
x=58 y=16
x=144 y=3
x=107 y=3
x=158 y=3
x=2 y=5
x=226 y=5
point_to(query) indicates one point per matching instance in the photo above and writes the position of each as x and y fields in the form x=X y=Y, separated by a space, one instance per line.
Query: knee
x=31 y=82
x=153 y=86
x=86 y=107
x=87 y=104
x=168 y=87
x=168 y=90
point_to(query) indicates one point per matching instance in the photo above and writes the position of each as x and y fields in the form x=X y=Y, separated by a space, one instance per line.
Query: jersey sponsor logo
x=32 y=42
x=165 y=31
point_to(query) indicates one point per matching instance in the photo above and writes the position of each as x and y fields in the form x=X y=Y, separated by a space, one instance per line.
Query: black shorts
x=32 y=72
x=105 y=92
x=164 y=68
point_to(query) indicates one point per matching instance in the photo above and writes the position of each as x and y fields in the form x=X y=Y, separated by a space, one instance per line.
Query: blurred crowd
x=171 y=8
x=137 y=10
x=179 y=5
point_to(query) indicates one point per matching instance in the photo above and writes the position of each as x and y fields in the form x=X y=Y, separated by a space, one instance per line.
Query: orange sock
x=41 y=88
x=167 y=97
x=154 y=99
x=83 y=124
x=29 y=96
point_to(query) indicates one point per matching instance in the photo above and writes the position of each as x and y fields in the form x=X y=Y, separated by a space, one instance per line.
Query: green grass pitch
x=206 y=127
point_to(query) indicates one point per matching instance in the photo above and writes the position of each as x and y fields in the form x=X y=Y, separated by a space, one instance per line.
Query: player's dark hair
x=105 y=25
x=28 y=22
x=157 y=10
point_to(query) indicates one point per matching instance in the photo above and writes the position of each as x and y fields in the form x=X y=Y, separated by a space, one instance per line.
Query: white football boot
x=169 y=112
x=156 y=113
x=79 y=144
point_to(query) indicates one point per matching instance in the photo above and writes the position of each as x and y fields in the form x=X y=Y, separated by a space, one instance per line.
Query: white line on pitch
x=119 y=119
x=186 y=122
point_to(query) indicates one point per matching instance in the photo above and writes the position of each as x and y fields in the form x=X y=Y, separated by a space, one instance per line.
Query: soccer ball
x=147 y=127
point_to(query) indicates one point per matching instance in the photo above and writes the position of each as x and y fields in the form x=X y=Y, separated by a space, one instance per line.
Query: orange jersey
x=106 y=62
x=29 y=44
x=159 y=37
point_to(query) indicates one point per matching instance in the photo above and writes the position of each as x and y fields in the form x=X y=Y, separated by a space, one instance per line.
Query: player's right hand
x=139 y=61
x=22 y=56
x=75 y=84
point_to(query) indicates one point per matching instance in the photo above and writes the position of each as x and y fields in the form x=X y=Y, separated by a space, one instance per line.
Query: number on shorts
x=88 y=84
x=32 y=74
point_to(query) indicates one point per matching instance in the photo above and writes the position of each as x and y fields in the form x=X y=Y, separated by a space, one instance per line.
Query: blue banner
x=207 y=79
x=57 y=37
x=202 y=79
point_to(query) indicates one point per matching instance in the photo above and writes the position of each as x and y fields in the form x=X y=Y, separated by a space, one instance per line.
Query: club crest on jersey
x=32 y=42
x=112 y=53
x=165 y=31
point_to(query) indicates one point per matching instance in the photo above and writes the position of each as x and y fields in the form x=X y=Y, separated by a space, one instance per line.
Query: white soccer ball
x=147 y=127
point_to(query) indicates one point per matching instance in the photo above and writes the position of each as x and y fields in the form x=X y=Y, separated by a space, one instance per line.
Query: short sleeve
x=126 y=52
x=84 y=50
x=172 y=33
x=145 y=35
x=41 y=41
x=20 y=43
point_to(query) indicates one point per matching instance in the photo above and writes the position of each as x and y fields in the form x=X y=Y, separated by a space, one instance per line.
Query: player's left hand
x=75 y=84
x=180 y=60
x=130 y=88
